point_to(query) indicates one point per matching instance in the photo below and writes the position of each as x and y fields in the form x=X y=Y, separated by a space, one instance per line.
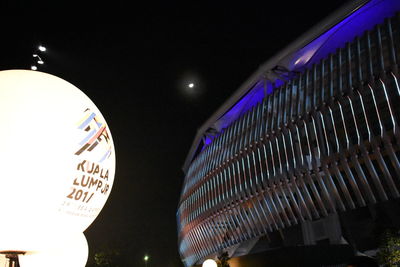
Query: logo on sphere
x=96 y=139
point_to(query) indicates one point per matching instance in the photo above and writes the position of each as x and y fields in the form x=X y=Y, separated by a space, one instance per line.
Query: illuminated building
x=306 y=151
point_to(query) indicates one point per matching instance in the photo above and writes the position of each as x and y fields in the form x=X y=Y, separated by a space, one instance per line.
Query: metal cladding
x=326 y=141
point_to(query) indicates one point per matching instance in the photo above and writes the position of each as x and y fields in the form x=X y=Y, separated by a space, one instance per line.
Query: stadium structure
x=305 y=154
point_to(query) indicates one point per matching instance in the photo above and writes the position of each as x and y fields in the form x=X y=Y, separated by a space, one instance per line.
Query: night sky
x=135 y=61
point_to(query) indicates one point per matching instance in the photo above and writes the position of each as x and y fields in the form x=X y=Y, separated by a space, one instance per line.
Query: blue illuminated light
x=255 y=95
x=364 y=18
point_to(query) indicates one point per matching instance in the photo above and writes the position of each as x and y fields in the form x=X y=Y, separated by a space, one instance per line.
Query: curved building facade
x=308 y=141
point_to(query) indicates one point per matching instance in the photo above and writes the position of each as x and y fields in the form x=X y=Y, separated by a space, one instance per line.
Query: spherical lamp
x=57 y=160
x=70 y=252
x=209 y=263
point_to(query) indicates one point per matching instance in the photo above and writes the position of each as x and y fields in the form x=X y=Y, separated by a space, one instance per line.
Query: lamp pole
x=12 y=257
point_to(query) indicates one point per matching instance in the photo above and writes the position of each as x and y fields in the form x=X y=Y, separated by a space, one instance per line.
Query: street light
x=209 y=263
x=39 y=60
x=42 y=48
x=146 y=258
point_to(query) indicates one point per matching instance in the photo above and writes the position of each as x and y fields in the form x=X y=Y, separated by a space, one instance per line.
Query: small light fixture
x=42 y=48
x=33 y=67
x=209 y=263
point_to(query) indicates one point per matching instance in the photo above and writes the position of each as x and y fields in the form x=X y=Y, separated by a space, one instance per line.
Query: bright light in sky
x=33 y=68
x=191 y=86
x=42 y=48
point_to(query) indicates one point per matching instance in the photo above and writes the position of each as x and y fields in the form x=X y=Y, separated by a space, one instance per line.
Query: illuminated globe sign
x=57 y=160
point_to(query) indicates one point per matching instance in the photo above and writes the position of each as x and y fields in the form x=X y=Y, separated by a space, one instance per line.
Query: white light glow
x=33 y=67
x=42 y=48
x=40 y=62
x=57 y=157
x=3 y=260
x=191 y=85
x=297 y=61
x=207 y=263
x=70 y=252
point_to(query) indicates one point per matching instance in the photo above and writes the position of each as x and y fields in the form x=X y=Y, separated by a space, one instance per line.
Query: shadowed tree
x=223 y=260
x=109 y=258
x=389 y=250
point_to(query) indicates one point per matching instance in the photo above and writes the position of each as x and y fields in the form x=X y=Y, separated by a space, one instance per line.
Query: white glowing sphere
x=3 y=260
x=70 y=252
x=57 y=160
x=207 y=263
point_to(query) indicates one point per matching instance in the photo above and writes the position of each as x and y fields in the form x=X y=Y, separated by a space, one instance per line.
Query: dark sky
x=132 y=60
